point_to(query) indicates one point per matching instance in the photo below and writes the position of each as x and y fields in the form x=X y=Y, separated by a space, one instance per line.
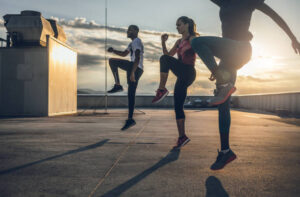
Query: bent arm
x=172 y=51
x=121 y=53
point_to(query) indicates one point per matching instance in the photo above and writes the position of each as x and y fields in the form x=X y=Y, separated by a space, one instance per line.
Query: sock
x=225 y=151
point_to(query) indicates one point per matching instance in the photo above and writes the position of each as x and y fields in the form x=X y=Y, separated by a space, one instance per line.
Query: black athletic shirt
x=235 y=16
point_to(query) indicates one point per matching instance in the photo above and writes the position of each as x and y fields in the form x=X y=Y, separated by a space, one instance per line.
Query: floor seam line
x=118 y=159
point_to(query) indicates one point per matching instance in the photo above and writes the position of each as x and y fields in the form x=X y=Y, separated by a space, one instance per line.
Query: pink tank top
x=185 y=53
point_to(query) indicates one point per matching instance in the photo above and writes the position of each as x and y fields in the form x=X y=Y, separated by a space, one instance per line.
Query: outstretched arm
x=271 y=13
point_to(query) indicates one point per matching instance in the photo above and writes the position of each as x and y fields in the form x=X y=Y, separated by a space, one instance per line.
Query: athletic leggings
x=232 y=54
x=185 y=74
x=127 y=66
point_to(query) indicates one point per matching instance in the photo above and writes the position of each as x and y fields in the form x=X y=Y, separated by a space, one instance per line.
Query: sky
x=274 y=66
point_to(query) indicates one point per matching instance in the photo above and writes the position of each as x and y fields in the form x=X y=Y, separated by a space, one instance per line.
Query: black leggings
x=127 y=66
x=185 y=74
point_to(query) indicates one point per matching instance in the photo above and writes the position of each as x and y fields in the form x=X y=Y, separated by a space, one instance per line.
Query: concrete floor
x=88 y=155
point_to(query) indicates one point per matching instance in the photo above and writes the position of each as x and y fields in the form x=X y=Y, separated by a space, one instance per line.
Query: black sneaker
x=116 y=88
x=129 y=123
x=223 y=159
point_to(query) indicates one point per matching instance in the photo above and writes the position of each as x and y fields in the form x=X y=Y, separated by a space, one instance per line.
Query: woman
x=234 y=51
x=184 y=70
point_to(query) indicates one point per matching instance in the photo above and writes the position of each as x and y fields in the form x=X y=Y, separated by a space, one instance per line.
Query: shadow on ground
x=170 y=157
x=89 y=147
x=214 y=188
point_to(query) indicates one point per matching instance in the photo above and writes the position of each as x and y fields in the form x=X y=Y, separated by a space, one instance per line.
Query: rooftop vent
x=30 y=29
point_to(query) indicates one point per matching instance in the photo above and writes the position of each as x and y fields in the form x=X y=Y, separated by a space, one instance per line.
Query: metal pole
x=105 y=48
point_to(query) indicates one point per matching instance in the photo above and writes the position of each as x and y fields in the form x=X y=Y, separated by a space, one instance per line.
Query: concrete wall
x=23 y=81
x=62 y=88
x=285 y=103
x=98 y=101
x=38 y=81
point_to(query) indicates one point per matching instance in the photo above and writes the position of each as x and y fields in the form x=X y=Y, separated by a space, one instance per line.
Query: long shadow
x=85 y=148
x=214 y=188
x=117 y=191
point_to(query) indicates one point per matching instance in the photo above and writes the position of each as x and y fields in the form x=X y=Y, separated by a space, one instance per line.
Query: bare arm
x=172 y=52
x=281 y=23
x=120 y=53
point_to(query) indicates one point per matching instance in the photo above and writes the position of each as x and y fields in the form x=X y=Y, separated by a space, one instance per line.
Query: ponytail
x=192 y=26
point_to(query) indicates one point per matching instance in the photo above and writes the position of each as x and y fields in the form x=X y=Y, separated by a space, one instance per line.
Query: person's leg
x=166 y=63
x=224 y=124
x=226 y=155
x=114 y=65
x=131 y=97
x=236 y=52
x=180 y=92
x=184 y=80
x=225 y=119
x=179 y=97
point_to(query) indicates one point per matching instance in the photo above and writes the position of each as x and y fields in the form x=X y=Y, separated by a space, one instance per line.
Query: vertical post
x=105 y=47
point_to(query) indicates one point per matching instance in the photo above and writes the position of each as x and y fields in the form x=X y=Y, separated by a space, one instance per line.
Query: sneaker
x=116 y=88
x=181 y=142
x=129 y=123
x=222 y=93
x=160 y=95
x=223 y=159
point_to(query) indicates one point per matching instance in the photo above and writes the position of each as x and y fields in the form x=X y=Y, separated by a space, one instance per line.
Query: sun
x=260 y=64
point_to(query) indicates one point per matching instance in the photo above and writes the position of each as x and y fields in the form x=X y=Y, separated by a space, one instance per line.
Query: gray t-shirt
x=236 y=16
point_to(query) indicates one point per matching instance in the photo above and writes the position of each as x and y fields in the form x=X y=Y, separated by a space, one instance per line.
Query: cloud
x=255 y=79
x=80 y=22
x=110 y=42
x=264 y=74
x=89 y=61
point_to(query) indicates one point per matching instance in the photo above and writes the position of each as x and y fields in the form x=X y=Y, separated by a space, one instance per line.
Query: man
x=234 y=50
x=134 y=69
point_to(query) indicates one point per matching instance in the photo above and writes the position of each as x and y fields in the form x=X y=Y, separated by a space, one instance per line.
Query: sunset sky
x=274 y=66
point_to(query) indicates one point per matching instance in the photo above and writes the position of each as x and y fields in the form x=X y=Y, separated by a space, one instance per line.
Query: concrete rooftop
x=88 y=155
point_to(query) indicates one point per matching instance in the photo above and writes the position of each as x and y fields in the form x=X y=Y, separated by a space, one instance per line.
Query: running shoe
x=181 y=142
x=222 y=93
x=223 y=159
x=160 y=95
x=129 y=123
x=116 y=88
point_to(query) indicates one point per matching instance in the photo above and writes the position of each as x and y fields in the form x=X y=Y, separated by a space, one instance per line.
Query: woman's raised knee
x=163 y=58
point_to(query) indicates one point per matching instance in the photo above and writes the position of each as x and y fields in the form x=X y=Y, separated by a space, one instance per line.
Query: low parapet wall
x=98 y=101
x=284 y=103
